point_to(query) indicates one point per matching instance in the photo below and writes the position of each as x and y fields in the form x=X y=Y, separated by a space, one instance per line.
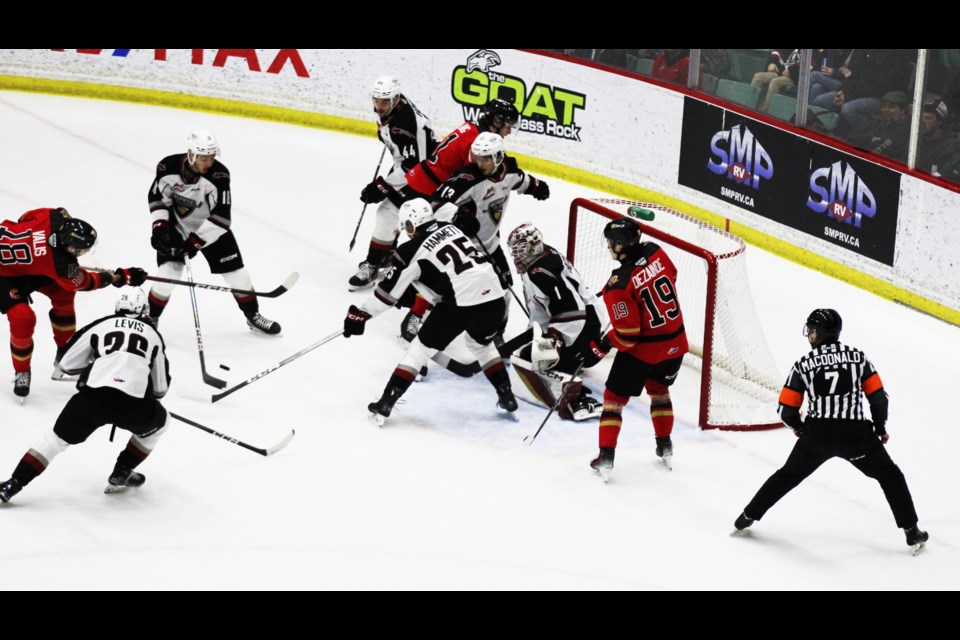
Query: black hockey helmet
x=76 y=236
x=622 y=232
x=498 y=108
x=827 y=322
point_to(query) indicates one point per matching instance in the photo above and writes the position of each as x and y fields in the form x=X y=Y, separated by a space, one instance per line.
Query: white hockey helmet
x=386 y=88
x=526 y=245
x=414 y=213
x=132 y=301
x=488 y=144
x=201 y=143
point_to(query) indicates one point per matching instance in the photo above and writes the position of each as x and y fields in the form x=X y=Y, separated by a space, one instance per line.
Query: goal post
x=739 y=382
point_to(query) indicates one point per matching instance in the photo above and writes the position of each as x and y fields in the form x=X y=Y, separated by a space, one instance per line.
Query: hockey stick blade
x=464 y=370
x=279 y=291
x=263 y=452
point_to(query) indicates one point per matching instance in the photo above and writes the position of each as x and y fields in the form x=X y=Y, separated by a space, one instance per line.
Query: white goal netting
x=739 y=380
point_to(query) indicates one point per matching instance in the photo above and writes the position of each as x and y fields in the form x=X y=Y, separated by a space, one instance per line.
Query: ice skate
x=122 y=478
x=9 y=489
x=366 y=276
x=586 y=408
x=603 y=463
x=381 y=409
x=258 y=323
x=505 y=398
x=409 y=328
x=665 y=451
x=21 y=385
x=916 y=538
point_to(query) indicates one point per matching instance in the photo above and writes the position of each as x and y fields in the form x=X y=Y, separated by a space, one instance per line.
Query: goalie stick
x=279 y=291
x=264 y=452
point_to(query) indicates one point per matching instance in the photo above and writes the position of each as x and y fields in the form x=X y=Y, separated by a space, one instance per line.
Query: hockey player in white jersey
x=475 y=199
x=565 y=322
x=123 y=371
x=407 y=135
x=439 y=260
x=190 y=212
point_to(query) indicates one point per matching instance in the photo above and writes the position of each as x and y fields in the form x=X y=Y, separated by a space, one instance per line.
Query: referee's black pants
x=853 y=440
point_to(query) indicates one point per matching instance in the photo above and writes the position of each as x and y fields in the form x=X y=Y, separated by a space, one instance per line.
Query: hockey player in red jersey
x=38 y=254
x=647 y=330
x=499 y=116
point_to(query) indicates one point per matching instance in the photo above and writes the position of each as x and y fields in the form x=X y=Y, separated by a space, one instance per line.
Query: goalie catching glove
x=355 y=322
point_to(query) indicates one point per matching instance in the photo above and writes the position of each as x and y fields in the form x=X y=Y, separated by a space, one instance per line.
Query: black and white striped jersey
x=197 y=204
x=442 y=263
x=407 y=134
x=557 y=297
x=119 y=351
x=489 y=194
x=834 y=378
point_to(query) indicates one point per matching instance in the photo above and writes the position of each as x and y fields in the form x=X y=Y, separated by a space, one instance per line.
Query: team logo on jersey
x=14 y=294
x=492 y=191
x=736 y=153
x=839 y=192
x=544 y=109
x=613 y=280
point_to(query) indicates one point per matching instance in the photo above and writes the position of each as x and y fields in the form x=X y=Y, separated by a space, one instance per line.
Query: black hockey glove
x=597 y=351
x=165 y=239
x=465 y=219
x=130 y=277
x=408 y=163
x=538 y=189
x=375 y=192
x=355 y=322
x=192 y=245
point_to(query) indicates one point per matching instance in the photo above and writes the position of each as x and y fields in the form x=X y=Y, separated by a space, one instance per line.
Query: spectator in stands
x=672 y=65
x=937 y=146
x=716 y=62
x=831 y=64
x=888 y=133
x=783 y=69
x=869 y=74
x=608 y=57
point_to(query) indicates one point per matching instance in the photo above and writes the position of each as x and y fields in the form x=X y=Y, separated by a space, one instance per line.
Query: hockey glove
x=131 y=277
x=355 y=322
x=164 y=239
x=465 y=219
x=375 y=192
x=596 y=352
x=538 y=189
x=408 y=163
x=192 y=245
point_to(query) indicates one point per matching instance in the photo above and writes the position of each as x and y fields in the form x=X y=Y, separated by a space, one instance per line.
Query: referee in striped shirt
x=835 y=377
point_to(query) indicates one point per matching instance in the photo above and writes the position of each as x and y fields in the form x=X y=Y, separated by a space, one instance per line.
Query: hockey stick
x=499 y=275
x=353 y=240
x=279 y=291
x=462 y=369
x=528 y=440
x=264 y=452
x=204 y=397
x=207 y=378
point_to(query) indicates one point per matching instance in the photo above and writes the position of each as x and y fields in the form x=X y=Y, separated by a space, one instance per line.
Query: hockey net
x=739 y=382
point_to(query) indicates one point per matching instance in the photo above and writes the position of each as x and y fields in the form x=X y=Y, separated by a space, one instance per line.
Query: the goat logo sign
x=544 y=109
